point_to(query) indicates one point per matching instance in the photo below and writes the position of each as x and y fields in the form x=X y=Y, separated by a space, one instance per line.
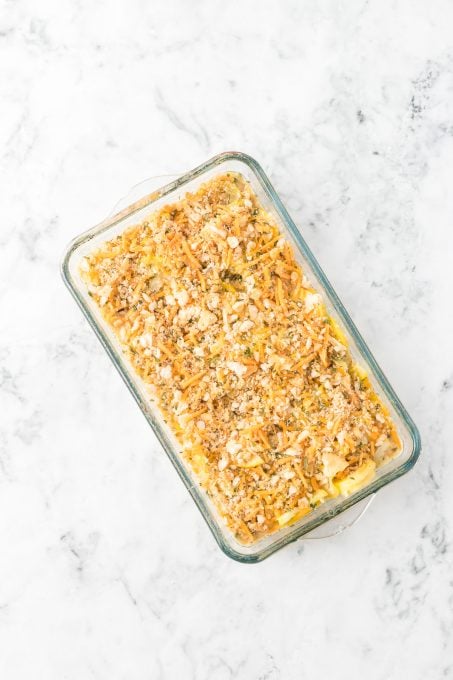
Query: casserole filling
x=252 y=375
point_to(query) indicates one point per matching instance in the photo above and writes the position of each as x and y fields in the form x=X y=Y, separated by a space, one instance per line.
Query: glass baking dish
x=174 y=191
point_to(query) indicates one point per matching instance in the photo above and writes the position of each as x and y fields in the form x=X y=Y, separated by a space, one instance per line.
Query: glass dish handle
x=139 y=190
x=346 y=519
x=343 y=521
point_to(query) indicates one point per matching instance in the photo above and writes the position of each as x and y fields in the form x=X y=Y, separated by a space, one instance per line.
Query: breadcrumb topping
x=249 y=370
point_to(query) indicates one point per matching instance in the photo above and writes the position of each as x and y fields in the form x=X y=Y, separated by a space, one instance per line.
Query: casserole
x=291 y=524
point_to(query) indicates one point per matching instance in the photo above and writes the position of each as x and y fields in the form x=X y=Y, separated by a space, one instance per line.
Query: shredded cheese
x=216 y=316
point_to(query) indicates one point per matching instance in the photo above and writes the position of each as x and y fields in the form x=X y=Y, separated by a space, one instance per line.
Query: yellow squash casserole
x=255 y=379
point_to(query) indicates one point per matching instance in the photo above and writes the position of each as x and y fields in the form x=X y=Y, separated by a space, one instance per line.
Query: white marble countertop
x=107 y=570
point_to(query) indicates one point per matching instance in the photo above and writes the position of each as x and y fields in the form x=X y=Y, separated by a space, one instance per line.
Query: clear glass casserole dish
x=247 y=167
